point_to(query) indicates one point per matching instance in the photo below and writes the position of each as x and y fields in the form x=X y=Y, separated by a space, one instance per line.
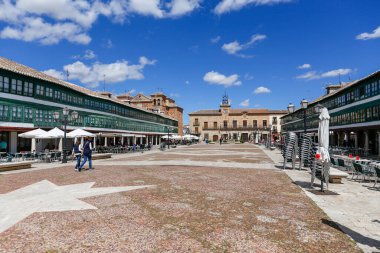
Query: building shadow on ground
x=359 y=238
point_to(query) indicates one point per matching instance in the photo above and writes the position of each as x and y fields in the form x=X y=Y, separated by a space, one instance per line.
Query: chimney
x=105 y=94
x=332 y=88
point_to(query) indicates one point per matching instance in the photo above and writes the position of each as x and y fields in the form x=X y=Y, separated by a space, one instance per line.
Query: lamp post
x=304 y=105
x=65 y=121
x=169 y=130
x=270 y=136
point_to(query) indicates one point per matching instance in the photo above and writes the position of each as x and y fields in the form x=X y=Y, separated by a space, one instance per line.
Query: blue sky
x=263 y=53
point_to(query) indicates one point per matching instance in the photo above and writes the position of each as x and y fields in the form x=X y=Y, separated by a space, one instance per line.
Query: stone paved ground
x=219 y=208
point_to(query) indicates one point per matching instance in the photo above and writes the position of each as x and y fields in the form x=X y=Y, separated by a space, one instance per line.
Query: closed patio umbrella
x=323 y=138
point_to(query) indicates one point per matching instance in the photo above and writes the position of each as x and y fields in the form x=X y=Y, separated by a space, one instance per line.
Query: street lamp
x=304 y=105
x=169 y=130
x=290 y=108
x=270 y=136
x=65 y=121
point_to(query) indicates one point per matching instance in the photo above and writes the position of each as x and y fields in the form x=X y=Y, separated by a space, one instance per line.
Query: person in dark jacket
x=87 y=153
x=77 y=154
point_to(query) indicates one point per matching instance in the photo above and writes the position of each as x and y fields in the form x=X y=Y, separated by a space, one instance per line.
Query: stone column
x=356 y=139
x=33 y=146
x=105 y=142
x=122 y=140
x=366 y=142
x=134 y=140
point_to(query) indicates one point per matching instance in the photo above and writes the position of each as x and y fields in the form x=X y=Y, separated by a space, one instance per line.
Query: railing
x=196 y=124
x=238 y=128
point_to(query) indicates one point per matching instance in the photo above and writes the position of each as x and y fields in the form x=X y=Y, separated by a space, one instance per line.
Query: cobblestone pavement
x=224 y=207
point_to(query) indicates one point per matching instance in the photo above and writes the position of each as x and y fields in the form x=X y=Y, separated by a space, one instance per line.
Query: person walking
x=220 y=140
x=77 y=153
x=87 y=153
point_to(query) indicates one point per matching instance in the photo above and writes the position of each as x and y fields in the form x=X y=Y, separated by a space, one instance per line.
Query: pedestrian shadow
x=359 y=238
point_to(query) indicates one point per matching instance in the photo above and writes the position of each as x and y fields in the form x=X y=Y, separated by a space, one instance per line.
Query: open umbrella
x=323 y=138
x=80 y=133
x=51 y=134
x=32 y=134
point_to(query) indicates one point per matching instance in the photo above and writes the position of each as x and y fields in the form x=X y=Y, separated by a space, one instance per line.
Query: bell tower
x=225 y=105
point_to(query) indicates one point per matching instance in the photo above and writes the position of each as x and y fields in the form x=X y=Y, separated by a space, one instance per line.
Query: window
x=274 y=120
x=19 y=87
x=28 y=89
x=17 y=112
x=215 y=124
x=254 y=123
x=49 y=92
x=244 y=123
x=63 y=96
x=225 y=123
x=6 y=84
x=3 y=111
x=28 y=114
x=196 y=122
x=205 y=125
x=14 y=86
x=234 y=123
x=1 y=83
x=206 y=136
x=264 y=123
x=57 y=95
x=40 y=90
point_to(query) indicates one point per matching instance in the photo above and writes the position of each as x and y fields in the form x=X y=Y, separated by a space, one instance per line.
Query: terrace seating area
x=360 y=169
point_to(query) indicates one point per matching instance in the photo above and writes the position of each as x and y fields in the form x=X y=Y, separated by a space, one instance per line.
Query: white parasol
x=32 y=134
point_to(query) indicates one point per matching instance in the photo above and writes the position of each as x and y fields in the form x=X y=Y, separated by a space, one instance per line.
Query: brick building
x=235 y=124
x=157 y=102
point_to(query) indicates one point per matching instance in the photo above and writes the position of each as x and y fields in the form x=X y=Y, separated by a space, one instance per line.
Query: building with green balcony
x=354 y=109
x=28 y=99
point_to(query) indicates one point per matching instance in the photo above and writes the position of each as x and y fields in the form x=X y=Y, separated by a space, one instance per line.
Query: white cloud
x=49 y=22
x=235 y=47
x=88 y=55
x=35 y=29
x=174 y=95
x=182 y=7
x=54 y=73
x=213 y=77
x=248 y=77
x=233 y=5
x=304 y=66
x=187 y=82
x=93 y=75
x=245 y=103
x=216 y=39
x=367 y=36
x=261 y=90
x=311 y=75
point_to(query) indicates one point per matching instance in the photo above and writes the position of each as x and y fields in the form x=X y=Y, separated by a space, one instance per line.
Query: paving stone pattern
x=220 y=208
